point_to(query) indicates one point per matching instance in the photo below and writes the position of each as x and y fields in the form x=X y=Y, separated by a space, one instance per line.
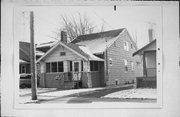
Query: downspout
x=106 y=58
x=144 y=65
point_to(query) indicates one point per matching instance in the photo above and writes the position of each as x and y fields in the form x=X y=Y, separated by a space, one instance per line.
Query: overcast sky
x=137 y=19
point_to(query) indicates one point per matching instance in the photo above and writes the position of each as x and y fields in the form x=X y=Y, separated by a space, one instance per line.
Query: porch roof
x=23 y=61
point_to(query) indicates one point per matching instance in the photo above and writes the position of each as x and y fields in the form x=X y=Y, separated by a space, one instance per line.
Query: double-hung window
x=125 y=65
x=126 y=46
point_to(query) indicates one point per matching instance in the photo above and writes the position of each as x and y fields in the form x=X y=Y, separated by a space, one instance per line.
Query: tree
x=80 y=25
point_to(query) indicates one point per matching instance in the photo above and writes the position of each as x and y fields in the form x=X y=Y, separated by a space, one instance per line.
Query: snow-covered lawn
x=62 y=93
x=49 y=93
x=133 y=93
x=39 y=90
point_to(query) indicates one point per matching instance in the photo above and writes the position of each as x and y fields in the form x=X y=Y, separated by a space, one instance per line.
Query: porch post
x=42 y=82
x=89 y=82
x=144 y=65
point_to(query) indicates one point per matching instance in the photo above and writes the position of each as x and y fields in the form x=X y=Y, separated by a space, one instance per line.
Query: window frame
x=64 y=54
x=126 y=45
x=57 y=66
x=125 y=65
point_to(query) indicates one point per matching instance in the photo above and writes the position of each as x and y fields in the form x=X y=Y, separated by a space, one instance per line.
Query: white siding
x=55 y=55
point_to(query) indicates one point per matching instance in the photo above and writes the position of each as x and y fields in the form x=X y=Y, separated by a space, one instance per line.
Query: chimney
x=64 y=36
x=150 y=33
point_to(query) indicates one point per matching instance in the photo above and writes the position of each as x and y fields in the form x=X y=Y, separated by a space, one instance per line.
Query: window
x=60 y=67
x=28 y=68
x=48 y=67
x=70 y=65
x=38 y=66
x=132 y=65
x=126 y=46
x=94 y=65
x=81 y=65
x=54 y=67
x=23 y=69
x=131 y=45
x=114 y=44
x=125 y=65
x=76 y=66
x=62 y=53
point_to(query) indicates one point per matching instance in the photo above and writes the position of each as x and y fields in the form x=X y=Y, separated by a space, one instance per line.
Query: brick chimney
x=64 y=36
x=150 y=33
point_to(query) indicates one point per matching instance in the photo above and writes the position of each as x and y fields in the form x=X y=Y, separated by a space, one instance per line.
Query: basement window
x=62 y=53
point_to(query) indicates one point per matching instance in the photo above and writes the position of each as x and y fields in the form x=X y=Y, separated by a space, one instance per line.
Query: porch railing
x=68 y=76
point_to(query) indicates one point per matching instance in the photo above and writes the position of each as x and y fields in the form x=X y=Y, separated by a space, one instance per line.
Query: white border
x=170 y=67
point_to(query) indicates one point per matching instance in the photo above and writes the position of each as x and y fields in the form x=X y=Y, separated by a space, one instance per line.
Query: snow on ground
x=39 y=90
x=49 y=93
x=133 y=93
x=62 y=93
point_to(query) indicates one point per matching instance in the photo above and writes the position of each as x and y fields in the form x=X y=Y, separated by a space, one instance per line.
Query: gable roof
x=99 y=42
x=145 y=47
x=92 y=36
x=44 y=47
x=24 y=51
x=75 y=48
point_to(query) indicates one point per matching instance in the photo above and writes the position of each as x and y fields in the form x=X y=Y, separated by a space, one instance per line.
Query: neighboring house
x=148 y=53
x=92 y=60
x=24 y=58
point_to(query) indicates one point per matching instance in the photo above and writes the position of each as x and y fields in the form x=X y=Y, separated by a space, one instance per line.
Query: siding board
x=118 y=54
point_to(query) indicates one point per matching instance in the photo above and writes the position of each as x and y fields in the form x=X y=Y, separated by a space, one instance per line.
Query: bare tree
x=75 y=26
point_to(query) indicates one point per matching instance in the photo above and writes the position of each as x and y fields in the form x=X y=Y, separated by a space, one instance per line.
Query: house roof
x=80 y=50
x=144 y=48
x=100 y=35
x=44 y=47
x=24 y=51
x=98 y=42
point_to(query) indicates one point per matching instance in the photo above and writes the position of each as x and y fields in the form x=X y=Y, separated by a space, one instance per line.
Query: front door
x=76 y=70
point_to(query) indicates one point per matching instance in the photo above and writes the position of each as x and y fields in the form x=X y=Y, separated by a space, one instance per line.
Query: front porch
x=76 y=74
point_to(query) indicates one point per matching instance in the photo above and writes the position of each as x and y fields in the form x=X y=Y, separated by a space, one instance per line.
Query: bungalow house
x=91 y=60
x=148 y=53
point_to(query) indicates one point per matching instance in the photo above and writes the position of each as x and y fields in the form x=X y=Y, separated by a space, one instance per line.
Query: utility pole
x=33 y=58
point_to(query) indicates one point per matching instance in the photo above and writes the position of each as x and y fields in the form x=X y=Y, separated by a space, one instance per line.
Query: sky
x=137 y=20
